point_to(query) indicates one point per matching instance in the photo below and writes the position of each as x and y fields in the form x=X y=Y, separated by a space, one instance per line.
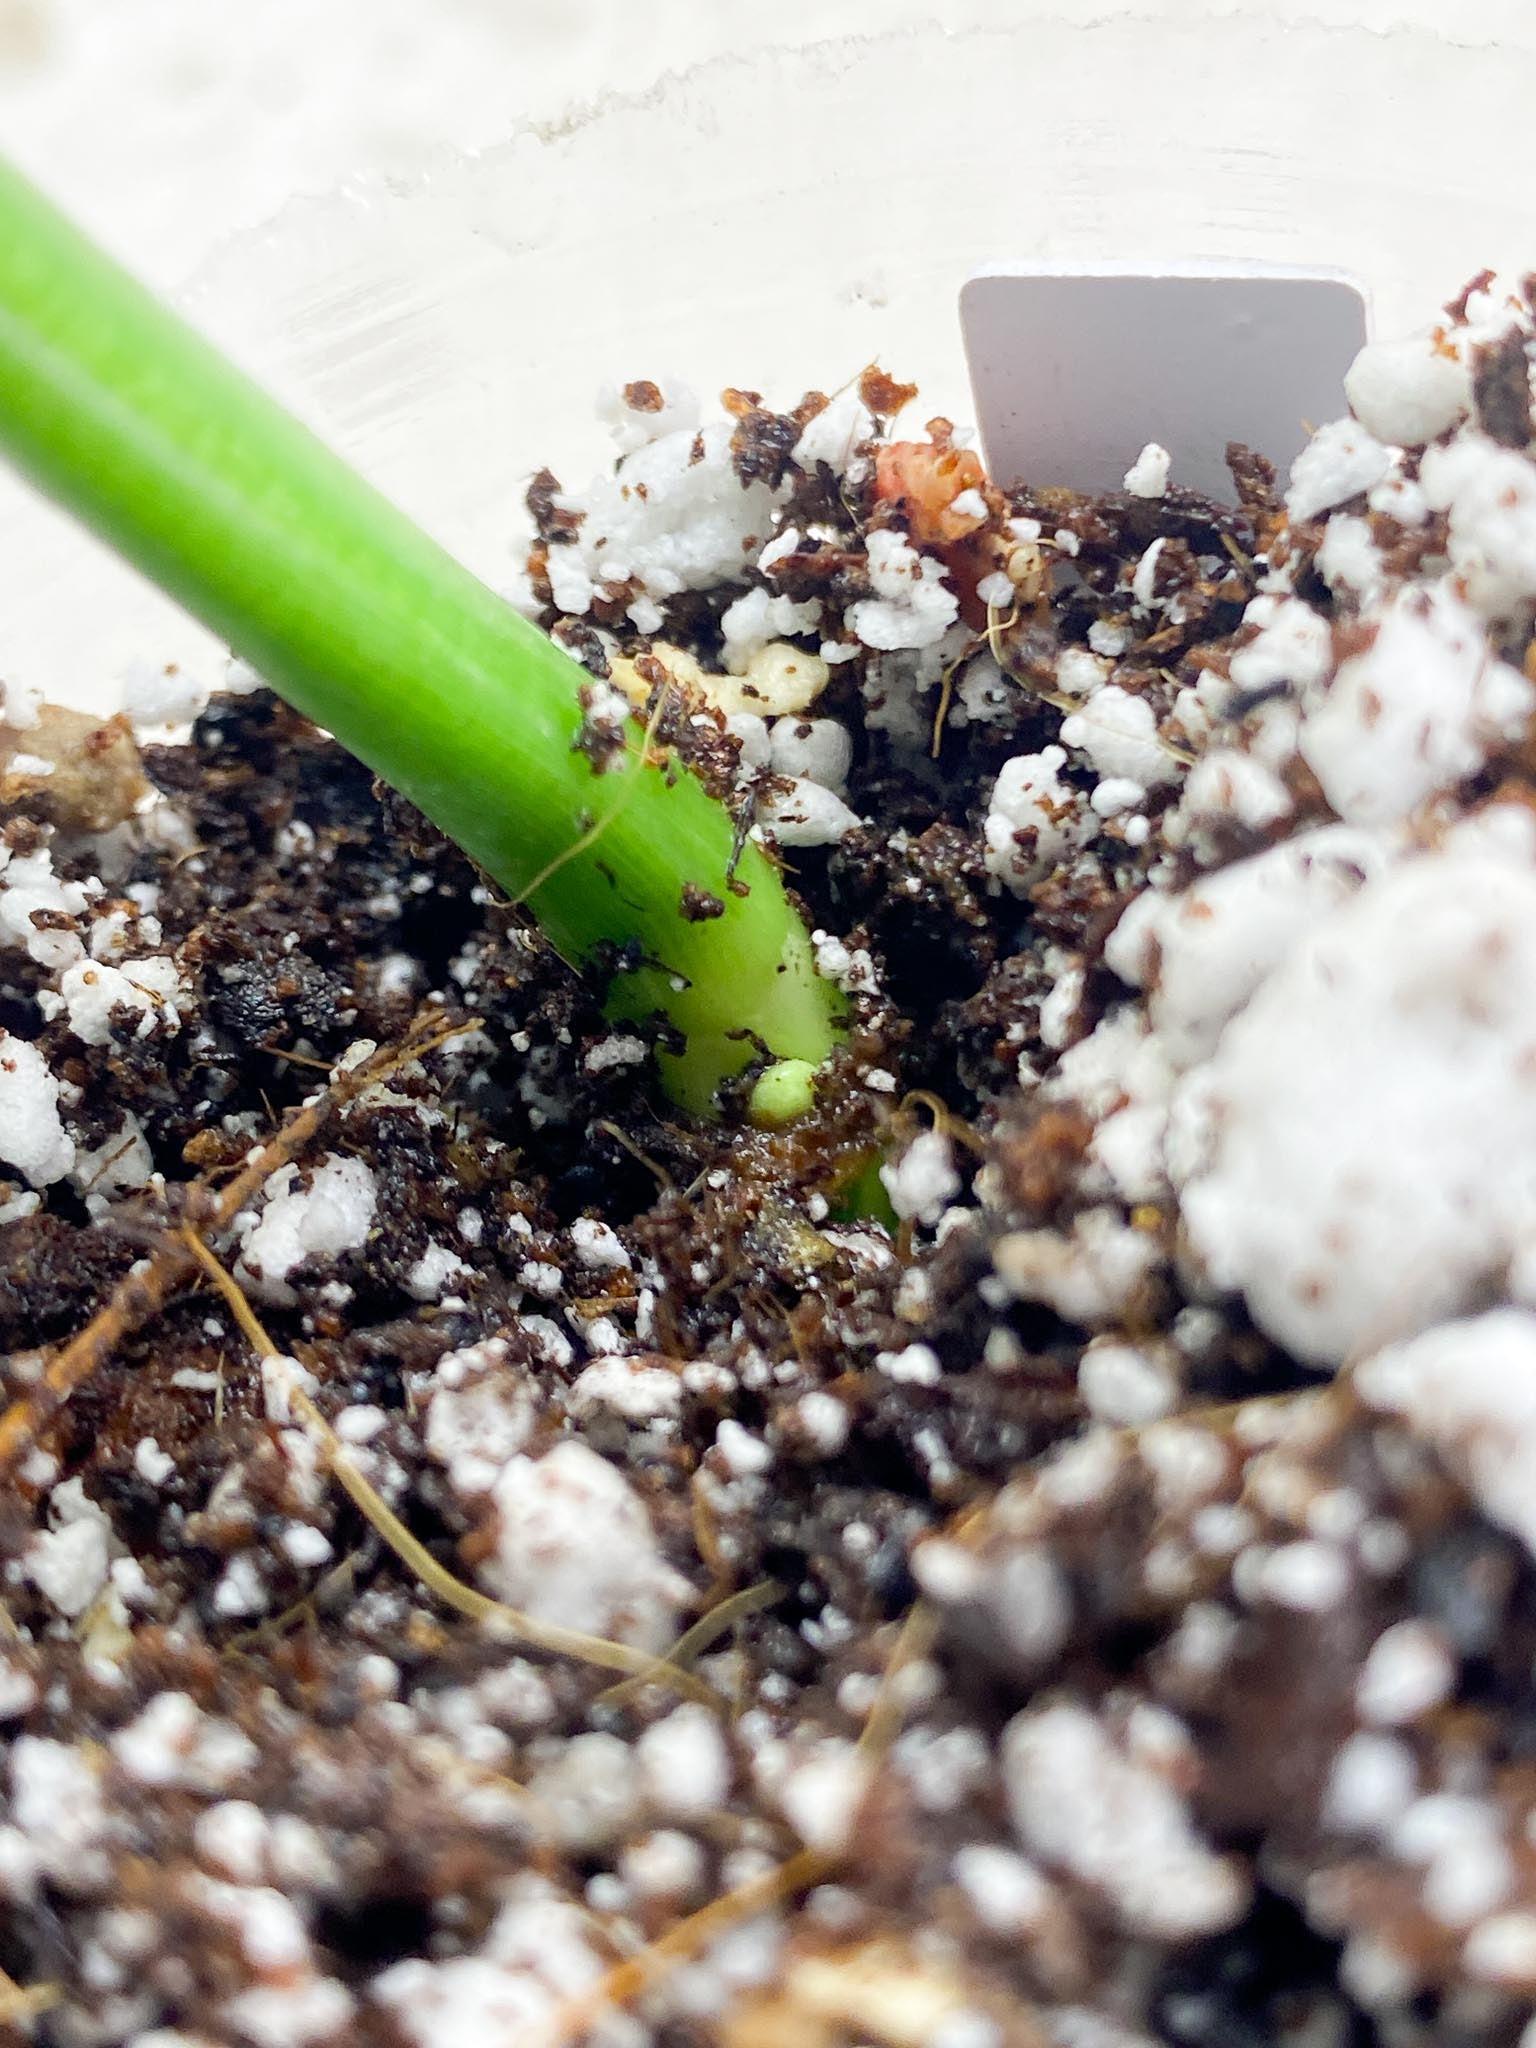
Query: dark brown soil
x=840 y=1390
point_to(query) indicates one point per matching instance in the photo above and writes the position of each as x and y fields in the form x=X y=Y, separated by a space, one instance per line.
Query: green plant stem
x=117 y=409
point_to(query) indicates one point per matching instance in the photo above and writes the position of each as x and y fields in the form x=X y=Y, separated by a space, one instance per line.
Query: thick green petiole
x=117 y=409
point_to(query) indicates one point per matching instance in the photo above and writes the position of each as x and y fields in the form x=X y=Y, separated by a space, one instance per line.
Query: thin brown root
x=588 y=839
x=106 y=1164
x=469 y=1772
x=637 y=1974
x=1243 y=561
x=626 y=1981
x=706 y=1533
x=141 y=1295
x=916 y=1637
x=236 y=1300
x=693 y=1642
x=295 y=1059
x=999 y=623
x=21 y=2004
x=945 y=1119
x=339 y=1577
x=414 y=1555
x=947 y=693
x=1057 y=699
x=664 y=1179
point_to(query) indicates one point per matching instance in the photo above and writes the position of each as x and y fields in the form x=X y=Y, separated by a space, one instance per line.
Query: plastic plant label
x=1073 y=372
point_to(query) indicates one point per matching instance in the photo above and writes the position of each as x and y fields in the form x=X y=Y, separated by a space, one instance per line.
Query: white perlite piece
x=1079 y=672
x=474 y=1429
x=1118 y=733
x=1353 y=1157
x=626 y=1386
x=141 y=994
x=28 y=884
x=436 y=1273
x=1413 y=714
x=119 y=1164
x=757 y=620
x=672 y=522
x=160 y=699
x=598 y=1246
x=1144 y=582
x=1122 y=1076
x=806 y=814
x=1148 y=475
x=1079 y=1802
x=21 y=705
x=1309 y=1577
x=1469 y=1388
x=834 y=433
x=783 y=544
x=1372 y=1784
x=1293 y=645
x=1202 y=953
x=1059 y=1011
x=574 y=1545
x=1086 y=1274
x=1457 y=1838
x=1029 y=1600
x=585 y=1791
x=303 y=2013
x=330 y=1216
x=1502 y=1950
x=536 y=1954
x=635 y=426
x=1411 y=391
x=1349 y=560
x=56 y=1803
x=779 y=680
x=68 y=1562
x=1033 y=818
x=812 y=749
x=1409 y=1670
x=923 y=1181
x=18 y=1690
x=32 y=1138
x=1227 y=784
x=684 y=1763
x=1339 y=463
x=1124 y=1385
x=820 y=1794
x=618 y=1049
x=1489 y=493
x=849 y=968
x=912 y=605
x=1007 y=1893
x=466 y=1998
x=173 y=1742
x=243 y=1589
x=665 y=1864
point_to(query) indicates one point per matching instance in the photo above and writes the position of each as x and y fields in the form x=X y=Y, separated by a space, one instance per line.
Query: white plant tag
x=1073 y=371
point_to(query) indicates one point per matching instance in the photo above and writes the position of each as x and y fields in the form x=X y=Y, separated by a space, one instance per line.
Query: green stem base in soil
x=122 y=413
